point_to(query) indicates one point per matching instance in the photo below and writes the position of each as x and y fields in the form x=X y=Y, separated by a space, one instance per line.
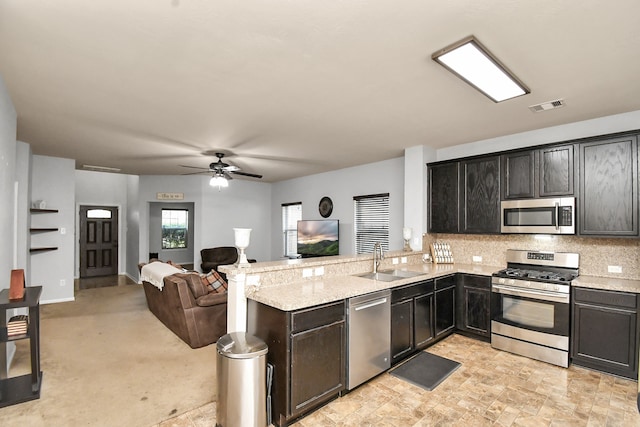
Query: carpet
x=425 y=370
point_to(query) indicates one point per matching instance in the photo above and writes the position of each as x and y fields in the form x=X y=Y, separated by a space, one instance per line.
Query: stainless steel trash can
x=241 y=363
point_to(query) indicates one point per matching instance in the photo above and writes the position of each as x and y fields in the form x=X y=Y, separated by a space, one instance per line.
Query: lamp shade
x=219 y=181
x=242 y=236
x=406 y=233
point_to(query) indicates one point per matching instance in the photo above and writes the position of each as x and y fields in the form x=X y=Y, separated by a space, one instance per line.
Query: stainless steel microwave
x=539 y=216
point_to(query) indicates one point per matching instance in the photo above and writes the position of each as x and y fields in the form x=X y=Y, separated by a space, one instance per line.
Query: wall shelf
x=37 y=230
x=43 y=249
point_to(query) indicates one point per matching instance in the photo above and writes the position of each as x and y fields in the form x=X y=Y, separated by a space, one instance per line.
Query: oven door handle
x=557 y=216
x=547 y=296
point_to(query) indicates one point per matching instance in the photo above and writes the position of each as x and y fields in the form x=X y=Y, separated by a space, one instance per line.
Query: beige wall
x=595 y=254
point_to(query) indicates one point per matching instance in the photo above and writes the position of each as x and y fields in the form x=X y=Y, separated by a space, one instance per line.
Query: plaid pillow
x=213 y=280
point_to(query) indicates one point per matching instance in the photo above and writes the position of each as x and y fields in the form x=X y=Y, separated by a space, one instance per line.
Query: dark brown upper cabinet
x=464 y=196
x=608 y=195
x=480 y=191
x=444 y=197
x=543 y=172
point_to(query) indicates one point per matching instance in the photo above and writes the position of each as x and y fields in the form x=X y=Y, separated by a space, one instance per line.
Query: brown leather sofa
x=197 y=321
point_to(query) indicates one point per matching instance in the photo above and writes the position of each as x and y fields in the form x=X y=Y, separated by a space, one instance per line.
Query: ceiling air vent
x=549 y=105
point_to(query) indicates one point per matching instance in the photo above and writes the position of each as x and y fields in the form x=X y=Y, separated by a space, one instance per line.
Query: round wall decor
x=325 y=207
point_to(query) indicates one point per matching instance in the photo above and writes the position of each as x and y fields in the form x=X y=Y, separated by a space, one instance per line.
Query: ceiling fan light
x=473 y=63
x=219 y=181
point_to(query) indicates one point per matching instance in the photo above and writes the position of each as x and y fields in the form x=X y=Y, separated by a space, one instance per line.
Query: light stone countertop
x=607 y=283
x=325 y=289
x=320 y=290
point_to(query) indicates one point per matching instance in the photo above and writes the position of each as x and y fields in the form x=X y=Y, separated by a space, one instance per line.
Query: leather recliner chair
x=214 y=257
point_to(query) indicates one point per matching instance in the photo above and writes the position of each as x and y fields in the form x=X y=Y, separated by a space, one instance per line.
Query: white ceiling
x=292 y=88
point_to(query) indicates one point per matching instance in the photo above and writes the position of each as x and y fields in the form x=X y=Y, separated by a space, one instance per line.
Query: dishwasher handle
x=370 y=304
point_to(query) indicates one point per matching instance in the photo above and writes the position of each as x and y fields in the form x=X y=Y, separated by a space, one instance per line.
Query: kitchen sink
x=383 y=277
x=401 y=273
x=389 y=275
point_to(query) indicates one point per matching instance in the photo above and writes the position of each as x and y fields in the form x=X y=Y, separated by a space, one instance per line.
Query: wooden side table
x=24 y=387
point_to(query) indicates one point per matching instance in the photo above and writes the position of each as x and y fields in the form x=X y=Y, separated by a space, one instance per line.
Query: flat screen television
x=318 y=238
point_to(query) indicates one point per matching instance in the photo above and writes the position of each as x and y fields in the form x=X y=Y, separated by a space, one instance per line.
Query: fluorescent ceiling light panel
x=473 y=63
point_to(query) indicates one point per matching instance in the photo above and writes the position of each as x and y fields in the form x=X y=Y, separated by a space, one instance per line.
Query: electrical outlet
x=615 y=269
x=63 y=230
x=307 y=272
x=394 y=261
x=403 y=260
x=319 y=271
x=476 y=258
x=253 y=279
x=63 y=282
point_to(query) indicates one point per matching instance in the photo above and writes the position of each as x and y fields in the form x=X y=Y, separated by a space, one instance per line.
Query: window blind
x=291 y=214
x=371 y=222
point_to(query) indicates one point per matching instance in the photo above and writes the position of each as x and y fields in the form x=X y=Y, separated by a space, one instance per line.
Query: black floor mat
x=425 y=370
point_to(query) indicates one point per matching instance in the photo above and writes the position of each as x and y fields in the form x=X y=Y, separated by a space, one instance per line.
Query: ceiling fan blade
x=195 y=167
x=226 y=175
x=252 y=175
x=196 y=173
x=231 y=168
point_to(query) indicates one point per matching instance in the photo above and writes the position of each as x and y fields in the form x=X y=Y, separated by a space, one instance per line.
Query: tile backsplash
x=595 y=254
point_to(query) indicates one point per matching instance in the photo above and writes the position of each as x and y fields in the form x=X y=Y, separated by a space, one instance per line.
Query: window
x=371 y=222
x=291 y=214
x=175 y=228
x=99 y=214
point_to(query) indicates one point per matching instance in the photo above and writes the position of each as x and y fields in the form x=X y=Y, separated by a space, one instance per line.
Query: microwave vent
x=549 y=105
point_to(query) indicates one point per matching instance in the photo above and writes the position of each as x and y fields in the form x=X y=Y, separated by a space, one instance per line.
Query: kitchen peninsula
x=300 y=306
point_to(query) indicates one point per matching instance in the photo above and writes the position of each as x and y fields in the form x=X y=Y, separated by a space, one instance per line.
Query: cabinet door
x=518 y=175
x=605 y=339
x=424 y=333
x=556 y=171
x=477 y=316
x=480 y=187
x=445 y=313
x=608 y=202
x=401 y=329
x=317 y=365
x=443 y=198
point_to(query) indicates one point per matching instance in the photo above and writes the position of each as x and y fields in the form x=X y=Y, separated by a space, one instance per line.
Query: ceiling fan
x=221 y=170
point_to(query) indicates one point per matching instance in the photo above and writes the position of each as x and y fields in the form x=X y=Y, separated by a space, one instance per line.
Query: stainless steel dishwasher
x=369 y=336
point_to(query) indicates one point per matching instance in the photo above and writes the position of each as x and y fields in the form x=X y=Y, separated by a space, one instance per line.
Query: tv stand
x=24 y=387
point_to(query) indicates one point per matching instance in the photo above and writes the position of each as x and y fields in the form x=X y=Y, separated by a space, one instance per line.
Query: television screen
x=318 y=238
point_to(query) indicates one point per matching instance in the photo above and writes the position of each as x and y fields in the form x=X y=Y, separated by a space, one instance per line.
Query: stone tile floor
x=491 y=388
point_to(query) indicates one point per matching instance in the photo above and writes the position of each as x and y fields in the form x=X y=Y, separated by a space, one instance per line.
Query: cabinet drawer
x=317 y=316
x=445 y=282
x=412 y=290
x=609 y=298
x=476 y=281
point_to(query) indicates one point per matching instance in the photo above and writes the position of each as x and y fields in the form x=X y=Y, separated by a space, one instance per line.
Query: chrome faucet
x=376 y=261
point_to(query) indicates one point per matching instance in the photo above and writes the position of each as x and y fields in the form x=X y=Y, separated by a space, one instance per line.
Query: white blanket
x=156 y=271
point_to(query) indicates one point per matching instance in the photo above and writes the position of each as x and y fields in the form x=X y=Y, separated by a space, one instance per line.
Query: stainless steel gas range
x=530 y=310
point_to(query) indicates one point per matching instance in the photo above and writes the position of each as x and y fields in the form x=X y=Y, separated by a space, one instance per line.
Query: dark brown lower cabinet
x=605 y=331
x=411 y=319
x=474 y=310
x=307 y=349
x=445 y=305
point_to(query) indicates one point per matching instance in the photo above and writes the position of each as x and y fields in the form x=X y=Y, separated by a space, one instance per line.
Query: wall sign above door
x=169 y=196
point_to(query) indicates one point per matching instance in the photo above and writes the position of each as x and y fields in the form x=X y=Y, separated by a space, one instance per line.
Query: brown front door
x=98 y=241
